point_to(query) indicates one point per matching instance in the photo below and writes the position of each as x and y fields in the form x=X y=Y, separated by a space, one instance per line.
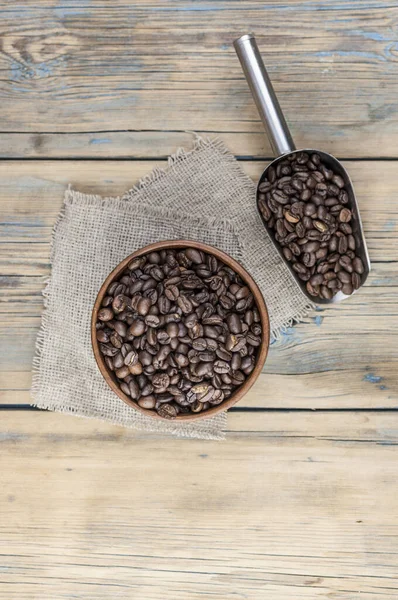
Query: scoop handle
x=264 y=95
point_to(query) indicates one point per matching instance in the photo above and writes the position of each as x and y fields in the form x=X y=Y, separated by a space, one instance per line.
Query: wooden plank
x=31 y=195
x=366 y=388
x=341 y=357
x=298 y=506
x=122 y=144
x=126 y=66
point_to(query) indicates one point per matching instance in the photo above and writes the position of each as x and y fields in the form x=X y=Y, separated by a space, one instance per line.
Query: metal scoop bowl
x=283 y=146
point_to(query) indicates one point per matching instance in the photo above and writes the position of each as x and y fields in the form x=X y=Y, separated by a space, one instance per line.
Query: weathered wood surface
x=295 y=503
x=114 y=68
x=344 y=356
x=298 y=506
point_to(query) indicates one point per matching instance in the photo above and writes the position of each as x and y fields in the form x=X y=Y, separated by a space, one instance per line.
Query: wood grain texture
x=117 y=68
x=296 y=507
x=295 y=503
x=343 y=356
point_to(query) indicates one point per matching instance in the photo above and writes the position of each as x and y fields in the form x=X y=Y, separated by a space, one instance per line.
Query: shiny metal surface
x=264 y=95
x=282 y=144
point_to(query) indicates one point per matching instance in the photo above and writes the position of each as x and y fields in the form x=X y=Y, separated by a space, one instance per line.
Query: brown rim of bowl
x=259 y=301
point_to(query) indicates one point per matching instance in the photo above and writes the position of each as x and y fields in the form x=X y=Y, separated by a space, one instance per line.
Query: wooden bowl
x=259 y=301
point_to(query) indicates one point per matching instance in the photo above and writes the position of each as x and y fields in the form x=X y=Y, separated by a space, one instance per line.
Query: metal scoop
x=283 y=146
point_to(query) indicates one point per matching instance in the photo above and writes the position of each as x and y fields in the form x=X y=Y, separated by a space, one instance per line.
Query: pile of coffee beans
x=306 y=206
x=179 y=330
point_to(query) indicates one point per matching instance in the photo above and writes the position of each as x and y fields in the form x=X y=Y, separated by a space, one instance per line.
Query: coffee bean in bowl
x=180 y=330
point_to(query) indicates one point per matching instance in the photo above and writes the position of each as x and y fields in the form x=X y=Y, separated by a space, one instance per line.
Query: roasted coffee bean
x=355 y=280
x=347 y=289
x=309 y=259
x=346 y=263
x=136 y=329
x=300 y=230
x=358 y=265
x=287 y=253
x=321 y=226
x=105 y=314
x=119 y=303
x=167 y=411
x=196 y=331
x=131 y=358
x=122 y=372
x=227 y=302
x=234 y=323
x=108 y=350
x=295 y=249
x=310 y=209
x=323 y=267
x=329 y=202
x=327 y=173
x=145 y=358
x=199 y=344
x=291 y=238
x=223 y=353
x=265 y=186
x=317 y=279
x=172 y=292
x=335 y=210
x=343 y=197
x=321 y=190
x=299 y=268
x=152 y=321
x=314 y=234
x=329 y=276
x=197 y=406
x=311 y=246
x=116 y=340
x=218 y=397
x=297 y=209
x=345 y=215
x=321 y=254
x=221 y=366
x=311 y=289
x=333 y=243
x=343 y=244
x=280 y=228
x=305 y=195
x=307 y=222
x=253 y=340
x=344 y=276
x=120 y=328
x=291 y=218
x=148 y=402
x=326 y=292
x=118 y=360
x=125 y=388
x=345 y=228
x=338 y=180
x=265 y=211
x=136 y=369
x=317 y=199
x=102 y=336
x=280 y=197
x=231 y=342
x=143 y=306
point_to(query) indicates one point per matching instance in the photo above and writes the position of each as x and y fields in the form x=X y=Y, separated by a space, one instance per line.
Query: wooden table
x=300 y=501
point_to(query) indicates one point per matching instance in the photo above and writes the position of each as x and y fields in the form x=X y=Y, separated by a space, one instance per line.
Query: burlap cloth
x=202 y=195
